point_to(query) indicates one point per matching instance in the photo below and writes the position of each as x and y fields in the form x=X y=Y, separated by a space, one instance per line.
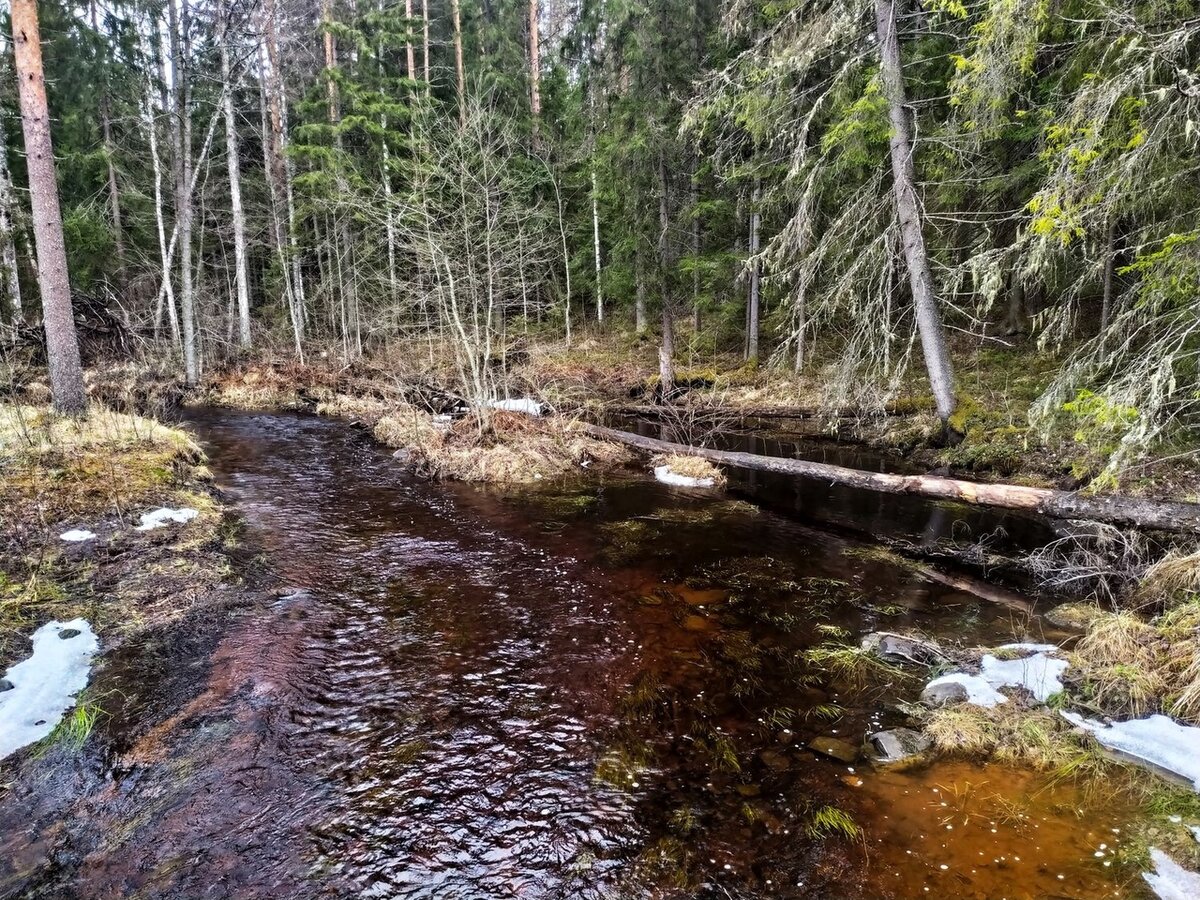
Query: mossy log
x=1118 y=510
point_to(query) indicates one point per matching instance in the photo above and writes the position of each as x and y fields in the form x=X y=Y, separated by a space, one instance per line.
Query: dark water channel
x=594 y=691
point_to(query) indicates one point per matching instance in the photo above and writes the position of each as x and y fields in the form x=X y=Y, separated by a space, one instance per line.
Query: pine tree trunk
x=182 y=132
x=8 y=234
x=755 y=269
x=929 y=319
x=62 y=343
x=535 y=71
x=460 y=77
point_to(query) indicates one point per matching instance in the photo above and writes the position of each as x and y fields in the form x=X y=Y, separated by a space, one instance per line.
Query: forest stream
x=580 y=691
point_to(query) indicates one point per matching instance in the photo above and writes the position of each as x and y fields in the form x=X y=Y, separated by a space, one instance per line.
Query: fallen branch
x=1154 y=514
x=764 y=412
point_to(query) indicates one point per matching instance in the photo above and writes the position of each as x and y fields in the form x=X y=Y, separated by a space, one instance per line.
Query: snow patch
x=77 y=535
x=1038 y=673
x=666 y=476
x=526 y=405
x=1157 y=740
x=1169 y=880
x=159 y=517
x=979 y=690
x=45 y=684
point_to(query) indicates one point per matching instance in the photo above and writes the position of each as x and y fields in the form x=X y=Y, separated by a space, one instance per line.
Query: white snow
x=76 y=535
x=1169 y=880
x=979 y=690
x=44 y=685
x=526 y=405
x=159 y=517
x=666 y=476
x=1037 y=673
x=1157 y=740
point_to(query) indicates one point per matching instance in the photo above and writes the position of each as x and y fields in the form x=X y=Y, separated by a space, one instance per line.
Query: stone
x=402 y=455
x=835 y=749
x=773 y=759
x=898 y=745
x=902 y=648
x=945 y=693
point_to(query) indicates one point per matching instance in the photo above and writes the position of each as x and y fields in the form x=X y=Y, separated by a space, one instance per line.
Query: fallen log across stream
x=1158 y=515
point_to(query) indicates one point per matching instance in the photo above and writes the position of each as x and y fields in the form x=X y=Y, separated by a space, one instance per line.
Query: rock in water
x=898 y=745
x=902 y=648
x=834 y=748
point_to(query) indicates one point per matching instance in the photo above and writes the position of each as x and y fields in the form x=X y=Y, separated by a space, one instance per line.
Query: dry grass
x=1010 y=733
x=692 y=467
x=1120 y=664
x=497 y=447
x=1172 y=580
x=368 y=410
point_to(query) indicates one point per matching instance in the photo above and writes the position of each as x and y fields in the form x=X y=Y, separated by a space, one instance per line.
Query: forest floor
x=614 y=374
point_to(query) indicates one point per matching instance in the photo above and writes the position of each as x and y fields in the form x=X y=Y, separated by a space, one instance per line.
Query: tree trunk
x=1159 y=515
x=425 y=24
x=8 y=234
x=640 y=302
x=241 y=276
x=62 y=344
x=167 y=293
x=596 y=249
x=1110 y=256
x=755 y=268
x=929 y=319
x=535 y=71
x=114 y=194
x=1016 y=304
x=409 y=48
x=460 y=77
x=666 y=350
x=182 y=133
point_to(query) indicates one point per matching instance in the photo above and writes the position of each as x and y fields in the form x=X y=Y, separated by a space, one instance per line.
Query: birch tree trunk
x=114 y=194
x=62 y=343
x=241 y=277
x=178 y=17
x=755 y=271
x=535 y=71
x=167 y=294
x=8 y=237
x=929 y=319
x=460 y=85
x=596 y=249
x=410 y=49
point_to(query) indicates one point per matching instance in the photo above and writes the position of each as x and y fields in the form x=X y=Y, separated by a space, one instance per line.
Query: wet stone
x=835 y=749
x=6 y=685
x=903 y=648
x=749 y=790
x=68 y=633
x=898 y=745
x=773 y=759
x=945 y=694
x=698 y=623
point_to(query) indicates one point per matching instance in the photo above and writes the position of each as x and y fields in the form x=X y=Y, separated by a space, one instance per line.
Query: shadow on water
x=591 y=691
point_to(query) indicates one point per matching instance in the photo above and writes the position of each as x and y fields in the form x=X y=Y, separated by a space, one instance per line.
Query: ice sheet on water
x=666 y=476
x=1157 y=740
x=44 y=685
x=158 y=518
x=1169 y=880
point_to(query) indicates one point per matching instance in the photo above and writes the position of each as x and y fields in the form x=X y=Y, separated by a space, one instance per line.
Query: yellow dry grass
x=692 y=467
x=497 y=447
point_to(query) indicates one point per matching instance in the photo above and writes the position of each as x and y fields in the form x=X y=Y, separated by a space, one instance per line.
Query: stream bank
x=580 y=688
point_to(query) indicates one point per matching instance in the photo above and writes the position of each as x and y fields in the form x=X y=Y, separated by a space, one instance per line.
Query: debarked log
x=1161 y=515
